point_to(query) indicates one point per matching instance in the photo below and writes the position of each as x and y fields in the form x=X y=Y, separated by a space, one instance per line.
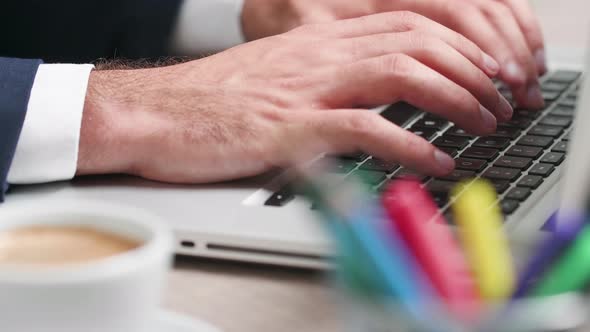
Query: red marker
x=415 y=216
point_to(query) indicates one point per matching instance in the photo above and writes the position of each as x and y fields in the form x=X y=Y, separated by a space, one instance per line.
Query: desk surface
x=240 y=297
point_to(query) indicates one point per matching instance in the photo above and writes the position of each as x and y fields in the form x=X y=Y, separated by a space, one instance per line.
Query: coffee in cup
x=72 y=266
x=51 y=245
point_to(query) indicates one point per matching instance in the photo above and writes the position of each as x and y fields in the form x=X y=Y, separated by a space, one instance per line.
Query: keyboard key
x=554 y=158
x=458 y=175
x=530 y=181
x=519 y=122
x=550 y=95
x=524 y=151
x=560 y=146
x=507 y=132
x=502 y=173
x=561 y=110
x=379 y=165
x=281 y=197
x=440 y=187
x=551 y=131
x=519 y=193
x=540 y=141
x=356 y=156
x=450 y=151
x=456 y=131
x=403 y=173
x=337 y=165
x=568 y=103
x=400 y=113
x=430 y=124
x=452 y=142
x=499 y=143
x=559 y=121
x=475 y=165
x=514 y=162
x=500 y=185
x=440 y=199
x=543 y=170
x=532 y=114
x=371 y=177
x=564 y=76
x=427 y=134
x=554 y=86
x=480 y=153
x=508 y=206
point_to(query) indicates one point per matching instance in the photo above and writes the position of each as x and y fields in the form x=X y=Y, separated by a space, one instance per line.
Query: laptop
x=537 y=162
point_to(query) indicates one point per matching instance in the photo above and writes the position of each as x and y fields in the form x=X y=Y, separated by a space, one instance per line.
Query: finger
x=492 y=25
x=391 y=78
x=408 y=21
x=342 y=131
x=437 y=55
x=531 y=29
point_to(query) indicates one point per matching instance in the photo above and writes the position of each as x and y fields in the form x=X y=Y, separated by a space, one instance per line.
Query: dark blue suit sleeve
x=82 y=31
x=16 y=81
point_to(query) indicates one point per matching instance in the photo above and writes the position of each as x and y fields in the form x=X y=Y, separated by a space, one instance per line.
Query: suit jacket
x=16 y=81
x=69 y=31
x=81 y=31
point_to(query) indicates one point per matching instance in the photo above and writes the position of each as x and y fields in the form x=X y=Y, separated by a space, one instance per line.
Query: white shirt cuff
x=47 y=149
x=207 y=26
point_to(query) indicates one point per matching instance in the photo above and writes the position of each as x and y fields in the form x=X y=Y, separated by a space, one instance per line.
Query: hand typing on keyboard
x=506 y=29
x=286 y=98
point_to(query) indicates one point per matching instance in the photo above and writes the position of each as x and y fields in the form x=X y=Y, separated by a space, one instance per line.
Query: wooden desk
x=251 y=298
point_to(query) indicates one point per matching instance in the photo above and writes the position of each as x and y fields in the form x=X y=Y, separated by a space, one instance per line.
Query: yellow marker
x=486 y=247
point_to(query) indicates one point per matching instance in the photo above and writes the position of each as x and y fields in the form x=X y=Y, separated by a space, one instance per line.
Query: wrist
x=109 y=137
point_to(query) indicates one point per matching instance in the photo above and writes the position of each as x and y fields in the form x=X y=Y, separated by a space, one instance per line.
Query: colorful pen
x=571 y=272
x=480 y=228
x=391 y=260
x=549 y=250
x=414 y=215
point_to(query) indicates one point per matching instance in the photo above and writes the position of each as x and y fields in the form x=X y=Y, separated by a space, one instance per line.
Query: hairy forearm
x=110 y=130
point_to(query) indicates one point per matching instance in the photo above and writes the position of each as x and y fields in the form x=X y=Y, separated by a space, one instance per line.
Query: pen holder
x=558 y=313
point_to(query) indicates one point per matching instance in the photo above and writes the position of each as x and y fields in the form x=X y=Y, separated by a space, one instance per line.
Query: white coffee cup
x=120 y=293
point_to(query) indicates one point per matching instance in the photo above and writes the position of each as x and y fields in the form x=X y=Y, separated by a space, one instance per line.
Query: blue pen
x=392 y=259
x=550 y=249
x=351 y=207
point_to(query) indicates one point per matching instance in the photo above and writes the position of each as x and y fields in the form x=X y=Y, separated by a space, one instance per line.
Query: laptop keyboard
x=516 y=159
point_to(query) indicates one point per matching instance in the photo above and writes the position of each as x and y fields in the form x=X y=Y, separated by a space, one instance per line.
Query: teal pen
x=400 y=277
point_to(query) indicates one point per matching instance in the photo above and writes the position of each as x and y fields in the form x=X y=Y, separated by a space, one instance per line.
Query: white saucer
x=169 y=321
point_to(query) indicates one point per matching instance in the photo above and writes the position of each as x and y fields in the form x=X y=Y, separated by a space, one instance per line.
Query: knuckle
x=361 y=123
x=407 y=20
x=464 y=99
x=416 y=144
x=419 y=39
x=498 y=9
x=396 y=64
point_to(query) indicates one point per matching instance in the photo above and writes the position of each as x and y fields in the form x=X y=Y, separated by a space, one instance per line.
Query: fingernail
x=534 y=96
x=541 y=60
x=505 y=108
x=515 y=72
x=444 y=161
x=487 y=118
x=491 y=65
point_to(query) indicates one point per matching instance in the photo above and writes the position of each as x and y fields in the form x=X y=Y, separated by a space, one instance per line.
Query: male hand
x=506 y=29
x=287 y=98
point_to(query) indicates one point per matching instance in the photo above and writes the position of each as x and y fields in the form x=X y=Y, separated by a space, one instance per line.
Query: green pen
x=570 y=273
